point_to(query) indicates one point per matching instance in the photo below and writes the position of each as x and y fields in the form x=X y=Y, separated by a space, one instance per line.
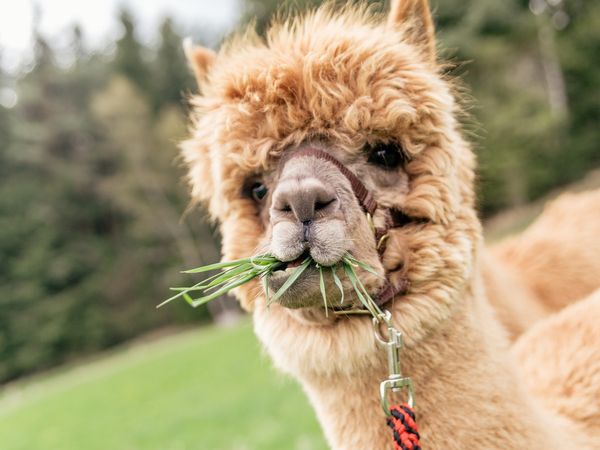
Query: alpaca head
x=367 y=91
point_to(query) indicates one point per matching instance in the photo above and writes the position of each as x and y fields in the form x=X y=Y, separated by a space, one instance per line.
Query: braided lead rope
x=400 y=417
x=404 y=428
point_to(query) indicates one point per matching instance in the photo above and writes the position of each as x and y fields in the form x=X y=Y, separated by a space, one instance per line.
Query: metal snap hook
x=394 y=386
x=393 y=343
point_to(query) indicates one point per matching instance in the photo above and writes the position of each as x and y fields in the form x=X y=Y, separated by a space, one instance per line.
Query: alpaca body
x=561 y=365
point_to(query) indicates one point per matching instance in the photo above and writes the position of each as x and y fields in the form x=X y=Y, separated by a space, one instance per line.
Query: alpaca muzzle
x=393 y=218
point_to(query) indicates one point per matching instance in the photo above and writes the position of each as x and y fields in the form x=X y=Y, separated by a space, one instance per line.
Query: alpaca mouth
x=304 y=283
x=293 y=264
x=286 y=268
x=305 y=290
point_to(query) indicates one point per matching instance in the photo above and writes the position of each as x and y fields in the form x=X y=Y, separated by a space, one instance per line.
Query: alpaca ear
x=415 y=17
x=200 y=59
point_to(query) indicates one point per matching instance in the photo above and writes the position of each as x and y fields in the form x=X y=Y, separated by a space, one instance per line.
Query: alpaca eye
x=387 y=155
x=259 y=191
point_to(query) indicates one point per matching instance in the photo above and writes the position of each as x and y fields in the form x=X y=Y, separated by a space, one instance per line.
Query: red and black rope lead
x=404 y=427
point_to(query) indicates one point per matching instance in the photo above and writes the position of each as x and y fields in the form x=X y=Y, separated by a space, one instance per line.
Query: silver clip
x=393 y=344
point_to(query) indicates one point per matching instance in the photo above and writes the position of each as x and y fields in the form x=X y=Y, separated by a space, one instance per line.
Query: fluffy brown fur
x=344 y=80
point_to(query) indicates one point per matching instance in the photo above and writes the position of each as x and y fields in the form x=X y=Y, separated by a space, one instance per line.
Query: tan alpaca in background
x=554 y=263
x=368 y=92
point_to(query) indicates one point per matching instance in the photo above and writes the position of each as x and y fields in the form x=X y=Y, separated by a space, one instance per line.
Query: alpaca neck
x=466 y=392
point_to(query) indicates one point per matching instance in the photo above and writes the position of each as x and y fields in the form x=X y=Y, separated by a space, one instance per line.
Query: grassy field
x=208 y=389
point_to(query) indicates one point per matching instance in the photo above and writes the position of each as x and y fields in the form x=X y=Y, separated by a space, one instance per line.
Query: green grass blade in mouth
x=231 y=278
x=349 y=259
x=232 y=274
x=223 y=280
x=366 y=300
x=207 y=282
x=236 y=273
x=217 y=279
x=228 y=274
x=338 y=283
x=188 y=299
x=223 y=290
x=375 y=306
x=323 y=291
x=219 y=265
x=180 y=294
x=292 y=278
x=264 y=261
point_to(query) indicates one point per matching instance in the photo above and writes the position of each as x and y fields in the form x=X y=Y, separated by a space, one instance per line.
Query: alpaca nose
x=307 y=199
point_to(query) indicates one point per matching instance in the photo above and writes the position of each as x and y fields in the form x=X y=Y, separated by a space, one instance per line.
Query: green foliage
x=129 y=60
x=209 y=389
x=579 y=49
x=91 y=206
x=230 y=275
x=172 y=77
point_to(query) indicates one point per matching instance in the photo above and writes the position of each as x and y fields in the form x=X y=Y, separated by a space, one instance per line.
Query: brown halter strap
x=369 y=205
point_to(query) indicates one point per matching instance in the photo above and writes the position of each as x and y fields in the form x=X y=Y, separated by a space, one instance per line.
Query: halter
x=392 y=218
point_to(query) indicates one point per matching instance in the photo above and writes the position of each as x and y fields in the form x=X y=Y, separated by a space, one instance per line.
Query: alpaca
x=549 y=266
x=369 y=93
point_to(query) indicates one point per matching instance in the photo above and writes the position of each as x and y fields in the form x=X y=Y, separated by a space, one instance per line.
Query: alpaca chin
x=310 y=345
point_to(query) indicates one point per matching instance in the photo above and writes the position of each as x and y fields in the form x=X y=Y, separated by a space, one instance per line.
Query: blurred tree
x=43 y=54
x=78 y=43
x=579 y=46
x=260 y=12
x=45 y=205
x=172 y=76
x=5 y=126
x=505 y=71
x=129 y=60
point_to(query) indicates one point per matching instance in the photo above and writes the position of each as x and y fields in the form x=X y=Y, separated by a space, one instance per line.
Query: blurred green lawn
x=208 y=389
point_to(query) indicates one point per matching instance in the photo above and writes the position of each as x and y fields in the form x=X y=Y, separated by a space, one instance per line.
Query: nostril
x=303 y=198
x=319 y=205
